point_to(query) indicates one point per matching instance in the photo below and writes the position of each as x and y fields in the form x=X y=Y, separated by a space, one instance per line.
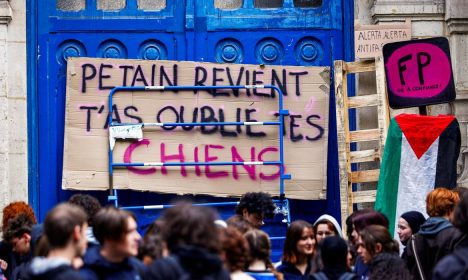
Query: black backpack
x=323 y=276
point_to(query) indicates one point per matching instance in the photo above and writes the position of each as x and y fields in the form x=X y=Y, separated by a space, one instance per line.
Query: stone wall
x=456 y=20
x=13 y=122
x=429 y=18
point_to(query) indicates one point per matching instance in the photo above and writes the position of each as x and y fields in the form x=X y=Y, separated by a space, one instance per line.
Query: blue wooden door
x=286 y=32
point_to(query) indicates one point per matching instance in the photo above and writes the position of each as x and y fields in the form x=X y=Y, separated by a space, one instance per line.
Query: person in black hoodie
x=193 y=241
x=333 y=253
x=437 y=237
x=116 y=231
x=409 y=223
x=65 y=231
x=455 y=265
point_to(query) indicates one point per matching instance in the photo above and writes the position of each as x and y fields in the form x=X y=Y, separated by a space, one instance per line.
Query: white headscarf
x=332 y=220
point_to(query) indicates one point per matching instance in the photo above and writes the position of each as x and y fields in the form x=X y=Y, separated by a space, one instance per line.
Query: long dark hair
x=374 y=234
x=293 y=235
x=260 y=249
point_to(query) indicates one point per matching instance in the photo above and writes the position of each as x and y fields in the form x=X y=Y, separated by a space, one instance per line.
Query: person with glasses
x=326 y=226
x=253 y=207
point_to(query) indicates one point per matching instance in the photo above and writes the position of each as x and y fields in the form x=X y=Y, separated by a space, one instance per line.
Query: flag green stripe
x=387 y=190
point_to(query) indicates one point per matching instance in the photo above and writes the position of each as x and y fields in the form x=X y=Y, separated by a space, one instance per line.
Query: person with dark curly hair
x=91 y=206
x=13 y=259
x=18 y=234
x=11 y=211
x=21 y=234
x=256 y=206
x=193 y=241
x=14 y=209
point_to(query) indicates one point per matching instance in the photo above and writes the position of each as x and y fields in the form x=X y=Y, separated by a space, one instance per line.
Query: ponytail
x=271 y=267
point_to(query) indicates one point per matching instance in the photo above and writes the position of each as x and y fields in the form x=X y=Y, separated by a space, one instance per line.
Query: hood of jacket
x=434 y=225
x=41 y=265
x=94 y=259
x=197 y=260
x=332 y=220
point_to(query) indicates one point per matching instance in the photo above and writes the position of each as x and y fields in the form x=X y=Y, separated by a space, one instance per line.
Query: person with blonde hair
x=437 y=237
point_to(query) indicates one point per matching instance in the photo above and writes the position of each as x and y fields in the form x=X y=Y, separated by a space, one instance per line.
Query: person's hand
x=3 y=264
x=77 y=263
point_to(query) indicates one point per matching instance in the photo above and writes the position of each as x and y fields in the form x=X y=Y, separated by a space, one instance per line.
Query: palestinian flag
x=420 y=154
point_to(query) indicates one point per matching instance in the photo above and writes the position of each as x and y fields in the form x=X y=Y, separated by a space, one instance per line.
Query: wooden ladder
x=346 y=137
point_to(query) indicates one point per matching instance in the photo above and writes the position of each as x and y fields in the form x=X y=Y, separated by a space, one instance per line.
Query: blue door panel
x=115 y=45
x=327 y=16
x=283 y=47
x=129 y=10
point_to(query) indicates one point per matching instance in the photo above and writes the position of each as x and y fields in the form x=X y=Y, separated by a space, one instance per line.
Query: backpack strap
x=320 y=276
x=347 y=276
x=416 y=257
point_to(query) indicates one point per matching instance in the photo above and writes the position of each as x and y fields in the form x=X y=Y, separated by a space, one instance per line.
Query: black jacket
x=436 y=239
x=388 y=266
x=98 y=268
x=290 y=272
x=50 y=269
x=186 y=263
x=453 y=266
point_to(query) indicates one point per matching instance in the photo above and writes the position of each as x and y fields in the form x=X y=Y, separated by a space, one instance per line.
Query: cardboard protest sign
x=306 y=96
x=370 y=39
x=419 y=73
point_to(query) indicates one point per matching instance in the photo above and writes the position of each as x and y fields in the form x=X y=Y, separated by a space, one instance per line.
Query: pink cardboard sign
x=418 y=73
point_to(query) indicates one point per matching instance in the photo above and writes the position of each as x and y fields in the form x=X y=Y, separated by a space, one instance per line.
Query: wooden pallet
x=346 y=137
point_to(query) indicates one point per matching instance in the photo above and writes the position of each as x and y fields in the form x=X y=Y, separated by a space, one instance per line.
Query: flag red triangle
x=422 y=131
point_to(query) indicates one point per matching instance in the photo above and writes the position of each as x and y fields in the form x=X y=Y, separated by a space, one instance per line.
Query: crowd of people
x=79 y=239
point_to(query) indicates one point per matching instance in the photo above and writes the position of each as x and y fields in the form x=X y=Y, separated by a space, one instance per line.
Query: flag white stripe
x=416 y=180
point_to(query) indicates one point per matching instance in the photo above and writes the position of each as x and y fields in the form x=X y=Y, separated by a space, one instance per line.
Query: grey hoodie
x=50 y=269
